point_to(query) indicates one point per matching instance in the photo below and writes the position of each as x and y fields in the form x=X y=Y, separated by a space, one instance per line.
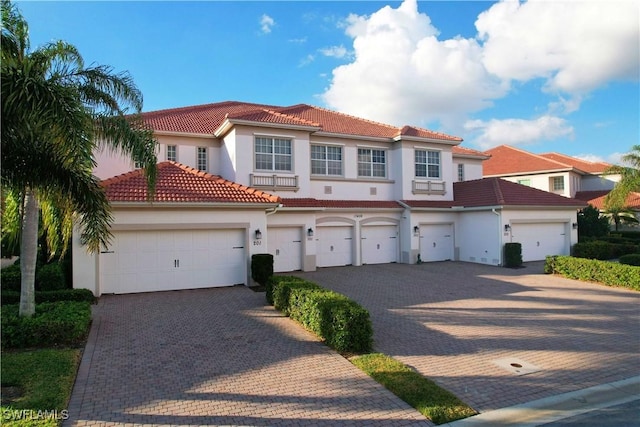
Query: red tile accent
x=179 y=183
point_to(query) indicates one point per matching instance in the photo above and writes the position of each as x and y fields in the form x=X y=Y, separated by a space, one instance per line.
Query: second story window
x=557 y=183
x=526 y=182
x=428 y=164
x=326 y=160
x=202 y=158
x=172 y=153
x=372 y=163
x=460 y=172
x=273 y=154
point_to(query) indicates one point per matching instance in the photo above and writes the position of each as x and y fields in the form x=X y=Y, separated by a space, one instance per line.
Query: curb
x=554 y=408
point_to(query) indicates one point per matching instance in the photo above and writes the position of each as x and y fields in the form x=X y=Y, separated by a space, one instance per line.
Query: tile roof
x=596 y=198
x=583 y=165
x=468 y=152
x=345 y=204
x=507 y=160
x=498 y=192
x=205 y=119
x=179 y=183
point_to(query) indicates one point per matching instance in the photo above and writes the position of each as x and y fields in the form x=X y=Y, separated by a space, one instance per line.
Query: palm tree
x=619 y=215
x=630 y=178
x=55 y=113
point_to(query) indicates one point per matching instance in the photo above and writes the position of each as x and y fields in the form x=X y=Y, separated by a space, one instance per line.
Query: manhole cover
x=516 y=366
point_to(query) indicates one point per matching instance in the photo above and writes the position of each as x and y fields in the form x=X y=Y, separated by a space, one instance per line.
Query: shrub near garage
x=13 y=297
x=53 y=324
x=605 y=272
x=630 y=259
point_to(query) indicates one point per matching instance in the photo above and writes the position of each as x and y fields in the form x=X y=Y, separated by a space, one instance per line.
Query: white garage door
x=540 y=239
x=379 y=244
x=144 y=261
x=436 y=242
x=334 y=246
x=285 y=244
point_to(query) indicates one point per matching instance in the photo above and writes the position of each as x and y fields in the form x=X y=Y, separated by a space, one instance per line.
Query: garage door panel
x=436 y=242
x=379 y=244
x=285 y=244
x=334 y=246
x=143 y=261
x=540 y=239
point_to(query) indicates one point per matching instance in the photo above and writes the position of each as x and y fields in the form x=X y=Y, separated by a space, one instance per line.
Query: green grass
x=435 y=403
x=45 y=378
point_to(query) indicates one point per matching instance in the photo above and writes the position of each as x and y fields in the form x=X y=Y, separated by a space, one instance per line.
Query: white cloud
x=301 y=40
x=266 y=23
x=402 y=73
x=334 y=51
x=517 y=131
x=576 y=46
x=306 y=60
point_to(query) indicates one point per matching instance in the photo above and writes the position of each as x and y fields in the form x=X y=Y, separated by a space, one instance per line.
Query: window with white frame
x=326 y=160
x=460 y=172
x=427 y=164
x=557 y=183
x=172 y=153
x=526 y=182
x=273 y=154
x=202 y=158
x=372 y=163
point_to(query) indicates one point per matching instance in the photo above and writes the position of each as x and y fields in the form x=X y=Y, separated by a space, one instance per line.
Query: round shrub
x=512 y=254
x=50 y=277
x=10 y=278
x=261 y=268
x=630 y=259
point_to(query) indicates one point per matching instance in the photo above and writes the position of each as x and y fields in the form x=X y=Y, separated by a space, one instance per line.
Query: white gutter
x=271 y=211
x=500 y=234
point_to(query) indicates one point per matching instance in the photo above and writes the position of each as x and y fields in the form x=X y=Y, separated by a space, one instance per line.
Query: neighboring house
x=313 y=187
x=596 y=199
x=553 y=172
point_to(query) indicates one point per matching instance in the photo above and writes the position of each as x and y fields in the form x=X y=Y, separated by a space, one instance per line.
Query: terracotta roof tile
x=596 y=198
x=468 y=152
x=346 y=204
x=583 y=165
x=180 y=183
x=507 y=160
x=205 y=119
x=499 y=192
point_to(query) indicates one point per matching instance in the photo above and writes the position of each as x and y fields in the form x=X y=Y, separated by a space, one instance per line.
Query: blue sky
x=543 y=76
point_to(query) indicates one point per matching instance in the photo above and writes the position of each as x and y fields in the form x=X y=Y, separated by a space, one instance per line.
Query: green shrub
x=50 y=277
x=10 y=278
x=261 y=268
x=53 y=324
x=342 y=323
x=605 y=272
x=602 y=250
x=512 y=254
x=277 y=279
x=13 y=297
x=630 y=259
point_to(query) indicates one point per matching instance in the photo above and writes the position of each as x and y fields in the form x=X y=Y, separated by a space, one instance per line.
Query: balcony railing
x=275 y=182
x=429 y=187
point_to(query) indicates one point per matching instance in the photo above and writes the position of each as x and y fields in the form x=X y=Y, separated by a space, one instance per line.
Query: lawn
x=36 y=386
x=432 y=401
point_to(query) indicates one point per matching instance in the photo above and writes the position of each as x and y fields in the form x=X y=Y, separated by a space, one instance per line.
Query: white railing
x=275 y=182
x=429 y=187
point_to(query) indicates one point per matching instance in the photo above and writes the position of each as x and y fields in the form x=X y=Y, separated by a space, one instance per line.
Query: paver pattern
x=219 y=357
x=452 y=320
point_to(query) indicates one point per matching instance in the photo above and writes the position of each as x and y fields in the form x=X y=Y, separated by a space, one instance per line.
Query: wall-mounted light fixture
x=310 y=232
x=416 y=230
x=574 y=225
x=507 y=227
x=258 y=234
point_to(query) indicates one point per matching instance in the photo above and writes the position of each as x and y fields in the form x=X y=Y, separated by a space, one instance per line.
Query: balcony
x=275 y=182
x=428 y=187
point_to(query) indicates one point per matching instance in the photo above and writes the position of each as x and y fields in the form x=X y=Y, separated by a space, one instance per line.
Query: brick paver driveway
x=218 y=357
x=464 y=325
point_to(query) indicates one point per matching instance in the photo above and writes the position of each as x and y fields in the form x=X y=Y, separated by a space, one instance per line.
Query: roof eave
x=203 y=205
x=227 y=124
x=189 y=134
x=430 y=140
x=351 y=136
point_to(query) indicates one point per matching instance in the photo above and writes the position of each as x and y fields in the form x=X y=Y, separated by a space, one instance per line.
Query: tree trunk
x=29 y=254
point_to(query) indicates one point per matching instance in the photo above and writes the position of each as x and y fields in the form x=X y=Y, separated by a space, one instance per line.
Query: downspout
x=273 y=210
x=500 y=234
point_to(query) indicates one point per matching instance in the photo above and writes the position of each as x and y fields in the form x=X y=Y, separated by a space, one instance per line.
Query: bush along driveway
x=495 y=337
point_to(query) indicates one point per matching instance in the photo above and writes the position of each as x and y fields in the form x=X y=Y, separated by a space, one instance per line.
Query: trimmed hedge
x=342 y=323
x=630 y=259
x=512 y=254
x=261 y=268
x=602 y=250
x=49 y=277
x=605 y=272
x=13 y=297
x=280 y=279
x=54 y=324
